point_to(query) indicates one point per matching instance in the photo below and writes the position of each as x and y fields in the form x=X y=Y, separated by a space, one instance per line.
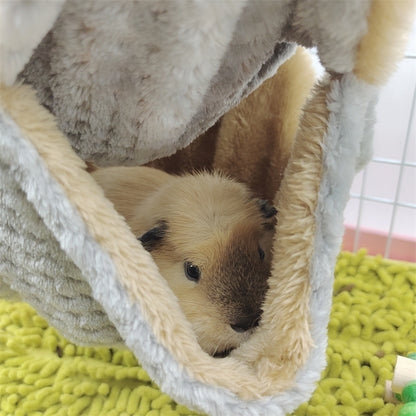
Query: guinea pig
x=211 y=240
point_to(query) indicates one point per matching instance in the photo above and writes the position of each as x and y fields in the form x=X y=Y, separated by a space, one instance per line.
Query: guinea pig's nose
x=245 y=324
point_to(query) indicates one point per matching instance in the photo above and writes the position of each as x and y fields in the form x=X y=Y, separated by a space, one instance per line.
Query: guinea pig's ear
x=269 y=213
x=153 y=238
x=266 y=208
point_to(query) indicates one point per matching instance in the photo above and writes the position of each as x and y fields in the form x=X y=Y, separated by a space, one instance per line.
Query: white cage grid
x=381 y=215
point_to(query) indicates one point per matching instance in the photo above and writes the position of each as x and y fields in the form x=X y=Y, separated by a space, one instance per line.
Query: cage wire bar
x=396 y=197
x=393 y=202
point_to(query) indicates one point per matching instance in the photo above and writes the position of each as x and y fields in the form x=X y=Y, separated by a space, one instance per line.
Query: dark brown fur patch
x=239 y=282
x=153 y=238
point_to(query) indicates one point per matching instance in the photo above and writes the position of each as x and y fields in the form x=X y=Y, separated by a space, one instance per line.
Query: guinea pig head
x=216 y=255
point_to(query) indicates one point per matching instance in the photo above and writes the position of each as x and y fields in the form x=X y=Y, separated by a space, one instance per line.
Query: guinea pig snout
x=247 y=322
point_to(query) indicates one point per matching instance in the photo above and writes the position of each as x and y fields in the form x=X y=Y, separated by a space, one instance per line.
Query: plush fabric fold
x=131 y=81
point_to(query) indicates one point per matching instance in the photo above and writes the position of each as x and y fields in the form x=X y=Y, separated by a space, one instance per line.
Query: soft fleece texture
x=192 y=62
x=372 y=321
x=85 y=272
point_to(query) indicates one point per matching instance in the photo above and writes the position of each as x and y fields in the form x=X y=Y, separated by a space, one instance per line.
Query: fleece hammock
x=129 y=82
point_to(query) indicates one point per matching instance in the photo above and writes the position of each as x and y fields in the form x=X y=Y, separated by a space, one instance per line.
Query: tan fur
x=389 y=24
x=213 y=222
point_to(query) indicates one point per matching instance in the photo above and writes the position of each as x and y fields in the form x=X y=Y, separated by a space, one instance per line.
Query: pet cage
x=102 y=255
x=381 y=214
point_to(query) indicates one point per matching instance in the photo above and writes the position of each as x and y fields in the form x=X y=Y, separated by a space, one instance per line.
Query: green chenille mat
x=373 y=320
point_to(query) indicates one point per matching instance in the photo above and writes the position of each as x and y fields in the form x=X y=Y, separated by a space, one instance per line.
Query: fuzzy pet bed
x=372 y=321
x=129 y=82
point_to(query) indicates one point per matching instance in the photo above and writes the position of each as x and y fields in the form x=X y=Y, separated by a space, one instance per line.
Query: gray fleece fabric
x=131 y=81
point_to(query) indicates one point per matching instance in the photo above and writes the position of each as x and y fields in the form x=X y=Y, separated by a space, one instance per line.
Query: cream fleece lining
x=389 y=24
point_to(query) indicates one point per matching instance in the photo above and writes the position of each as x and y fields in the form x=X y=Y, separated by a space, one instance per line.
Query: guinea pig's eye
x=261 y=253
x=191 y=271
